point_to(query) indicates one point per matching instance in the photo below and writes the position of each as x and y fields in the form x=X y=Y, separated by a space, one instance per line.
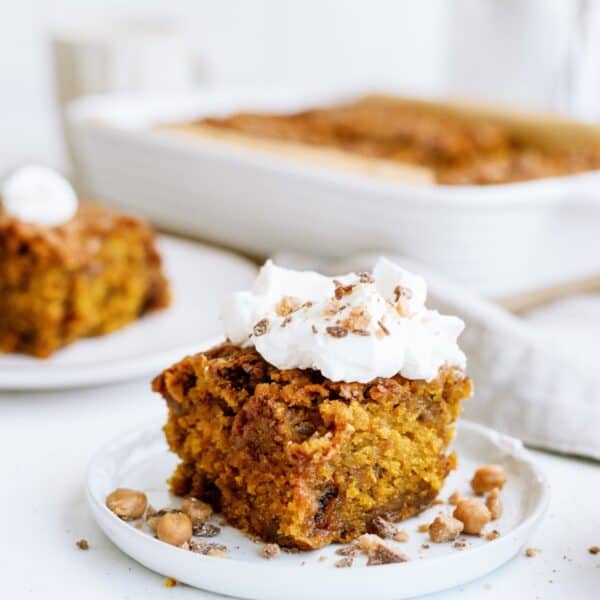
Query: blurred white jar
x=149 y=55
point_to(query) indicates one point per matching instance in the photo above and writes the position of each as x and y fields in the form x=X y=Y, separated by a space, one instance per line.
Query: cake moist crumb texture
x=90 y=276
x=299 y=460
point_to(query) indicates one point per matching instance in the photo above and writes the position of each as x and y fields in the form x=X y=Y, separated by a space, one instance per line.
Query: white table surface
x=48 y=438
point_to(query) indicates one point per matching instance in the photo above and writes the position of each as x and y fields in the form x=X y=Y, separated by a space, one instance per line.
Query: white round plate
x=140 y=459
x=200 y=278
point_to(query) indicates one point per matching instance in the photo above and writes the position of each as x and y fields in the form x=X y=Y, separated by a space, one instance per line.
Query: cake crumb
x=594 y=550
x=492 y=535
x=270 y=551
x=445 y=528
x=170 y=582
x=531 y=552
x=437 y=502
x=343 y=563
x=82 y=544
x=423 y=528
x=322 y=558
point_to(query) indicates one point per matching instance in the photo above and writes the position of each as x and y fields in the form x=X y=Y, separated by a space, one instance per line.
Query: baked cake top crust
x=74 y=243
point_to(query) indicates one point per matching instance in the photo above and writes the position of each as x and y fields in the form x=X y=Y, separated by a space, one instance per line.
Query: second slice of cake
x=332 y=403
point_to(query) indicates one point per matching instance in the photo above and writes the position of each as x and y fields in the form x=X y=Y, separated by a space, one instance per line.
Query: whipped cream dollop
x=355 y=327
x=39 y=195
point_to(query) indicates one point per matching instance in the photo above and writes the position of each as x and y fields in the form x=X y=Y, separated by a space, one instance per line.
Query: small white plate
x=140 y=459
x=200 y=278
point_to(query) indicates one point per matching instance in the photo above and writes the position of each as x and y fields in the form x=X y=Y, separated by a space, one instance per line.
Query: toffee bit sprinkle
x=336 y=331
x=170 y=582
x=343 y=563
x=594 y=550
x=206 y=529
x=402 y=292
x=82 y=544
x=365 y=277
x=383 y=328
x=287 y=305
x=531 y=552
x=492 y=535
x=261 y=327
x=343 y=290
x=270 y=551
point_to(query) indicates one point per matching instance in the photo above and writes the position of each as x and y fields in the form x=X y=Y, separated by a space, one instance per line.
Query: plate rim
x=48 y=377
x=512 y=446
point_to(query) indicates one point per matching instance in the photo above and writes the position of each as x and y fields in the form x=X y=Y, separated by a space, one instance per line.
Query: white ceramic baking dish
x=499 y=239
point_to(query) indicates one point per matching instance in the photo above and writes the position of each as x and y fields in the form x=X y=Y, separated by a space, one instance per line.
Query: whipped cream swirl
x=38 y=195
x=351 y=328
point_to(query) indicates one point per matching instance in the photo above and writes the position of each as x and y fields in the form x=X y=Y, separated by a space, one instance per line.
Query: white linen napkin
x=536 y=378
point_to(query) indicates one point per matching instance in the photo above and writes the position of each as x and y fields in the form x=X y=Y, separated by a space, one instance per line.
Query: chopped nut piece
x=127 y=504
x=383 y=328
x=365 y=277
x=82 y=544
x=336 y=331
x=270 y=551
x=423 y=528
x=425 y=546
x=196 y=510
x=454 y=498
x=401 y=536
x=531 y=552
x=488 y=477
x=345 y=562
x=460 y=544
x=594 y=550
x=206 y=529
x=314 y=329
x=494 y=504
x=492 y=535
x=261 y=328
x=474 y=515
x=170 y=582
x=153 y=516
x=174 y=528
x=377 y=552
x=445 y=528
x=287 y=305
